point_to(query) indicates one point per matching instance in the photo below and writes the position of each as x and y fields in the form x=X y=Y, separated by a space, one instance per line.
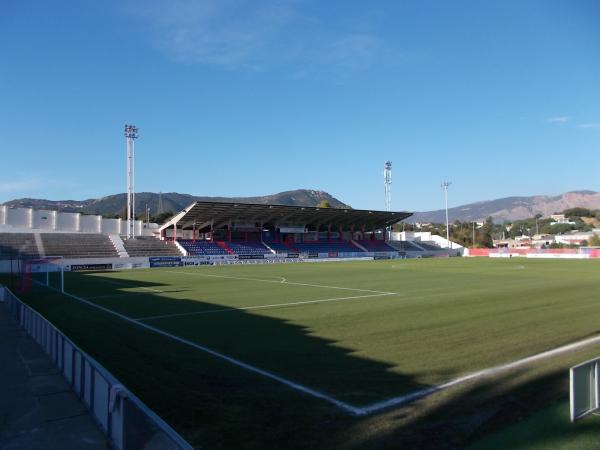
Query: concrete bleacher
x=13 y=245
x=78 y=245
x=405 y=246
x=430 y=246
x=202 y=247
x=150 y=246
x=375 y=245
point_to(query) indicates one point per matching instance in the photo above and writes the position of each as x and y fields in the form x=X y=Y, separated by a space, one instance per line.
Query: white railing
x=183 y=251
x=127 y=422
x=119 y=245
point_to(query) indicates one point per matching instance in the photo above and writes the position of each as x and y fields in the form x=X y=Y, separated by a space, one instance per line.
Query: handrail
x=127 y=422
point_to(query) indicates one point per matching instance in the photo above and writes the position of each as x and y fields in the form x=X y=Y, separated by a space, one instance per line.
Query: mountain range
x=170 y=202
x=512 y=208
x=502 y=209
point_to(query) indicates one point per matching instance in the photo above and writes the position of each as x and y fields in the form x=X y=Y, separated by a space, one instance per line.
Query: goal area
x=47 y=271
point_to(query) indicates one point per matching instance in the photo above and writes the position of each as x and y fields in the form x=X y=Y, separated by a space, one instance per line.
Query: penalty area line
x=130 y=285
x=412 y=396
x=131 y=294
x=348 y=408
x=283 y=282
x=236 y=362
x=273 y=305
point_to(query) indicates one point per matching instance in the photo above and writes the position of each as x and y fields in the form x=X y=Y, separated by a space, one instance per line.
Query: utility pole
x=387 y=183
x=445 y=186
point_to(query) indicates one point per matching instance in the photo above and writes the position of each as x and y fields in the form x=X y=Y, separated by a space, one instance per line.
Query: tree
x=324 y=204
x=484 y=234
x=559 y=228
x=594 y=241
x=162 y=217
x=577 y=212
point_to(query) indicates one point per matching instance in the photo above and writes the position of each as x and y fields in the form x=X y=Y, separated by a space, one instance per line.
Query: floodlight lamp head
x=388 y=165
x=131 y=131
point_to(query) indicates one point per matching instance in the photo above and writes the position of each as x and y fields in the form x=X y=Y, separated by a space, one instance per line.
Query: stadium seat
x=196 y=248
x=326 y=246
x=150 y=246
x=376 y=245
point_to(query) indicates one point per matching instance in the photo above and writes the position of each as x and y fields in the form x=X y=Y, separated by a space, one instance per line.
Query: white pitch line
x=355 y=410
x=131 y=294
x=130 y=285
x=404 y=399
x=236 y=362
x=282 y=282
x=274 y=305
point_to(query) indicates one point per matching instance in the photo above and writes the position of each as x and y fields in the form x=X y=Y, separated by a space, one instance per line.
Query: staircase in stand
x=288 y=245
x=356 y=244
x=268 y=247
x=225 y=247
x=119 y=245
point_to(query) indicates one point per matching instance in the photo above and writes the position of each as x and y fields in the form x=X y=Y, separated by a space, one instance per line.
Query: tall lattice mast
x=387 y=182
x=131 y=133
x=445 y=185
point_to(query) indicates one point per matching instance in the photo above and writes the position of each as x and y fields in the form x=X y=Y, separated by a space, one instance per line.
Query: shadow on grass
x=273 y=344
x=217 y=405
x=212 y=402
x=461 y=417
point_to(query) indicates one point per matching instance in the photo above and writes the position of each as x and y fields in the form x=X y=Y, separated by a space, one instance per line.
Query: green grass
x=548 y=429
x=447 y=317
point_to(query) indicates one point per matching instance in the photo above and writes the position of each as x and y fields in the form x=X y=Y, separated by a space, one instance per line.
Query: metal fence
x=128 y=423
x=584 y=389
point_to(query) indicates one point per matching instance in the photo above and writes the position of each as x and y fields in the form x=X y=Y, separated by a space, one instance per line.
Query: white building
x=29 y=220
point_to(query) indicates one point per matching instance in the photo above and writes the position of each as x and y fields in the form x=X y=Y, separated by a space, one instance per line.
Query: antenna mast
x=387 y=182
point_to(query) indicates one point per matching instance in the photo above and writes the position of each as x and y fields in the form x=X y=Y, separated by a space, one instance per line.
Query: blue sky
x=244 y=98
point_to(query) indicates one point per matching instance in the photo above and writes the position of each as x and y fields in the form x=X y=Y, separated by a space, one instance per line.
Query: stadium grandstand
x=256 y=230
x=218 y=232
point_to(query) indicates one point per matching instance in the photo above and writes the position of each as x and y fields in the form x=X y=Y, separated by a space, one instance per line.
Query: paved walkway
x=38 y=410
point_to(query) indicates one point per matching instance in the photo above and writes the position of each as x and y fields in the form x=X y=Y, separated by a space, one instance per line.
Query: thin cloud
x=589 y=125
x=30 y=183
x=242 y=34
x=17 y=185
x=559 y=119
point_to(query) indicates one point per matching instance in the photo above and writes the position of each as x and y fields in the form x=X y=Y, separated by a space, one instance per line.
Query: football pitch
x=345 y=335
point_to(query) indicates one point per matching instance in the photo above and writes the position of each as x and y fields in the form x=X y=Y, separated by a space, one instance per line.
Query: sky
x=245 y=98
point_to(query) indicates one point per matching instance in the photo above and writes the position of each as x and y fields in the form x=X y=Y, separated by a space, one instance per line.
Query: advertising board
x=165 y=261
x=82 y=267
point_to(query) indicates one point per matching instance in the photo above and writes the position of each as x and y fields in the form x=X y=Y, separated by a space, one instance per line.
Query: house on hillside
x=541 y=240
x=560 y=219
x=574 y=238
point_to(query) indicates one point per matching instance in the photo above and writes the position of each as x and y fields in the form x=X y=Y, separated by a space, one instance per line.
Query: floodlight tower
x=387 y=183
x=131 y=133
x=445 y=186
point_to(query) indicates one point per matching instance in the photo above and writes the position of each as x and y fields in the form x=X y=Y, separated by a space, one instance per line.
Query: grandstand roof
x=200 y=215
